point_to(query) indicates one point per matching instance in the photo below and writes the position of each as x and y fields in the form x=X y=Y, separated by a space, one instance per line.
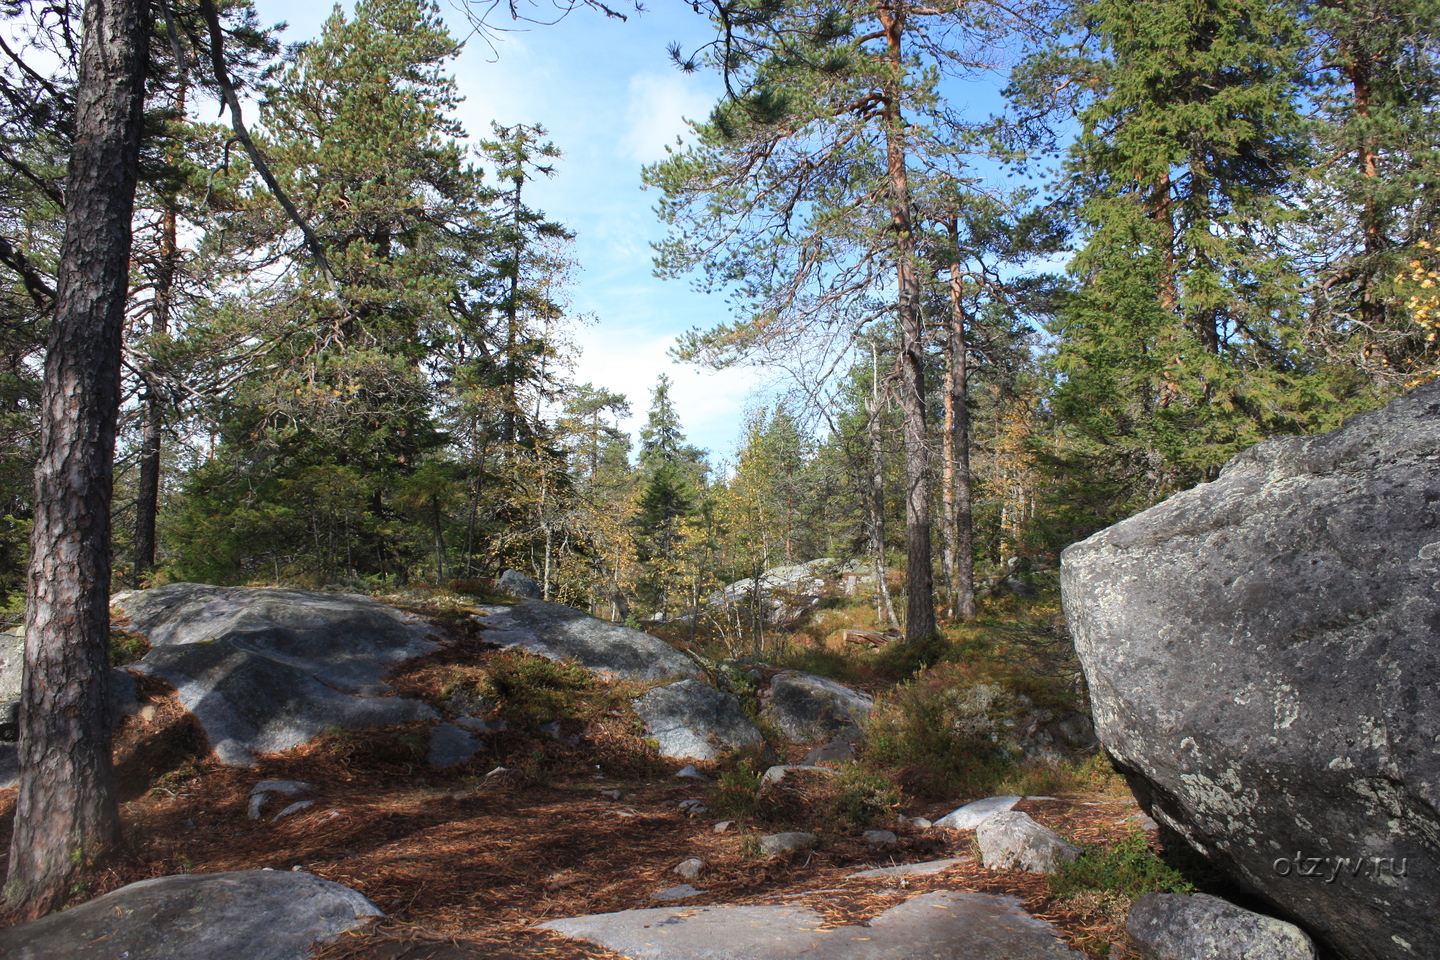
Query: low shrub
x=1127 y=868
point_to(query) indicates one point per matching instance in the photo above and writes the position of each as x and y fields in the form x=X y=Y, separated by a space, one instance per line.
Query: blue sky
x=611 y=100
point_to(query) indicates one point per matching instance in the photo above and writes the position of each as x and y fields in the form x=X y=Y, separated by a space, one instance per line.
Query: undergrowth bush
x=1128 y=868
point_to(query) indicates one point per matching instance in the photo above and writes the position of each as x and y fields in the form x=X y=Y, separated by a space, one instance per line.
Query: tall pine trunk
x=919 y=581
x=959 y=526
x=147 y=496
x=66 y=814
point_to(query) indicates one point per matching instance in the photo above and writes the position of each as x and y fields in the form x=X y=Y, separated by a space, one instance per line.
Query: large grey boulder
x=264 y=670
x=957 y=926
x=805 y=707
x=560 y=633
x=1174 y=926
x=1263 y=653
x=255 y=914
x=692 y=720
x=1014 y=841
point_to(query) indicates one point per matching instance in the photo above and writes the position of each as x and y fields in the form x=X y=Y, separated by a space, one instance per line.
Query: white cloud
x=658 y=108
x=711 y=405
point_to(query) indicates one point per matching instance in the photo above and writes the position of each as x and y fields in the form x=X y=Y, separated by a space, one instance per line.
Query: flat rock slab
x=972 y=815
x=560 y=633
x=956 y=926
x=692 y=720
x=925 y=869
x=266 y=670
x=255 y=914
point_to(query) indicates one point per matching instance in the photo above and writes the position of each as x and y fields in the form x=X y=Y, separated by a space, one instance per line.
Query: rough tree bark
x=919 y=579
x=959 y=523
x=66 y=813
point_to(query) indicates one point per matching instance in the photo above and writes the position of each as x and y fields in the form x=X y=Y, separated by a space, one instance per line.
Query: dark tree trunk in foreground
x=66 y=814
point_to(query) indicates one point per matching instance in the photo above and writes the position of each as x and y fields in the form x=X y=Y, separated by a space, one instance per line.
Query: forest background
x=1221 y=232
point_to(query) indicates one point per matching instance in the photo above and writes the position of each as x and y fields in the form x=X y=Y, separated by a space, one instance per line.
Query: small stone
x=257 y=803
x=787 y=842
x=676 y=893
x=482 y=726
x=692 y=808
x=612 y=794
x=451 y=745
x=295 y=807
x=690 y=869
x=498 y=770
x=777 y=773
x=690 y=773
x=287 y=787
x=880 y=838
x=920 y=823
x=1013 y=841
x=724 y=826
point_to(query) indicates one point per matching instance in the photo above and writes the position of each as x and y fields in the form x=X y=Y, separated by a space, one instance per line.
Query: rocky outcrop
x=692 y=720
x=264 y=670
x=1174 y=926
x=783 y=596
x=1263 y=653
x=560 y=633
x=255 y=914
x=806 y=707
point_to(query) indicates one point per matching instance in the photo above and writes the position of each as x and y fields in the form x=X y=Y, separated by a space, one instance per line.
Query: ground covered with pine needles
x=466 y=861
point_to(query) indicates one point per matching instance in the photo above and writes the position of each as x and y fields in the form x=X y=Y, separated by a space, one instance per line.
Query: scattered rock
x=288 y=787
x=776 y=774
x=519 y=586
x=881 y=838
x=295 y=807
x=804 y=706
x=255 y=914
x=682 y=892
x=688 y=772
x=925 y=869
x=481 y=726
x=724 y=826
x=451 y=745
x=692 y=808
x=257 y=805
x=693 y=720
x=832 y=752
x=972 y=815
x=690 y=869
x=957 y=926
x=1013 y=841
x=787 y=842
x=264 y=670
x=612 y=794
x=1262 y=655
x=1172 y=926
x=920 y=823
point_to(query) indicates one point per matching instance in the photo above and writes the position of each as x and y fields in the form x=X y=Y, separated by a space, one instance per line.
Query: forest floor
x=465 y=862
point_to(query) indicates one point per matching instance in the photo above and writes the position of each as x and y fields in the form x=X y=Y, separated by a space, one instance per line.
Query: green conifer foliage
x=1183 y=343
